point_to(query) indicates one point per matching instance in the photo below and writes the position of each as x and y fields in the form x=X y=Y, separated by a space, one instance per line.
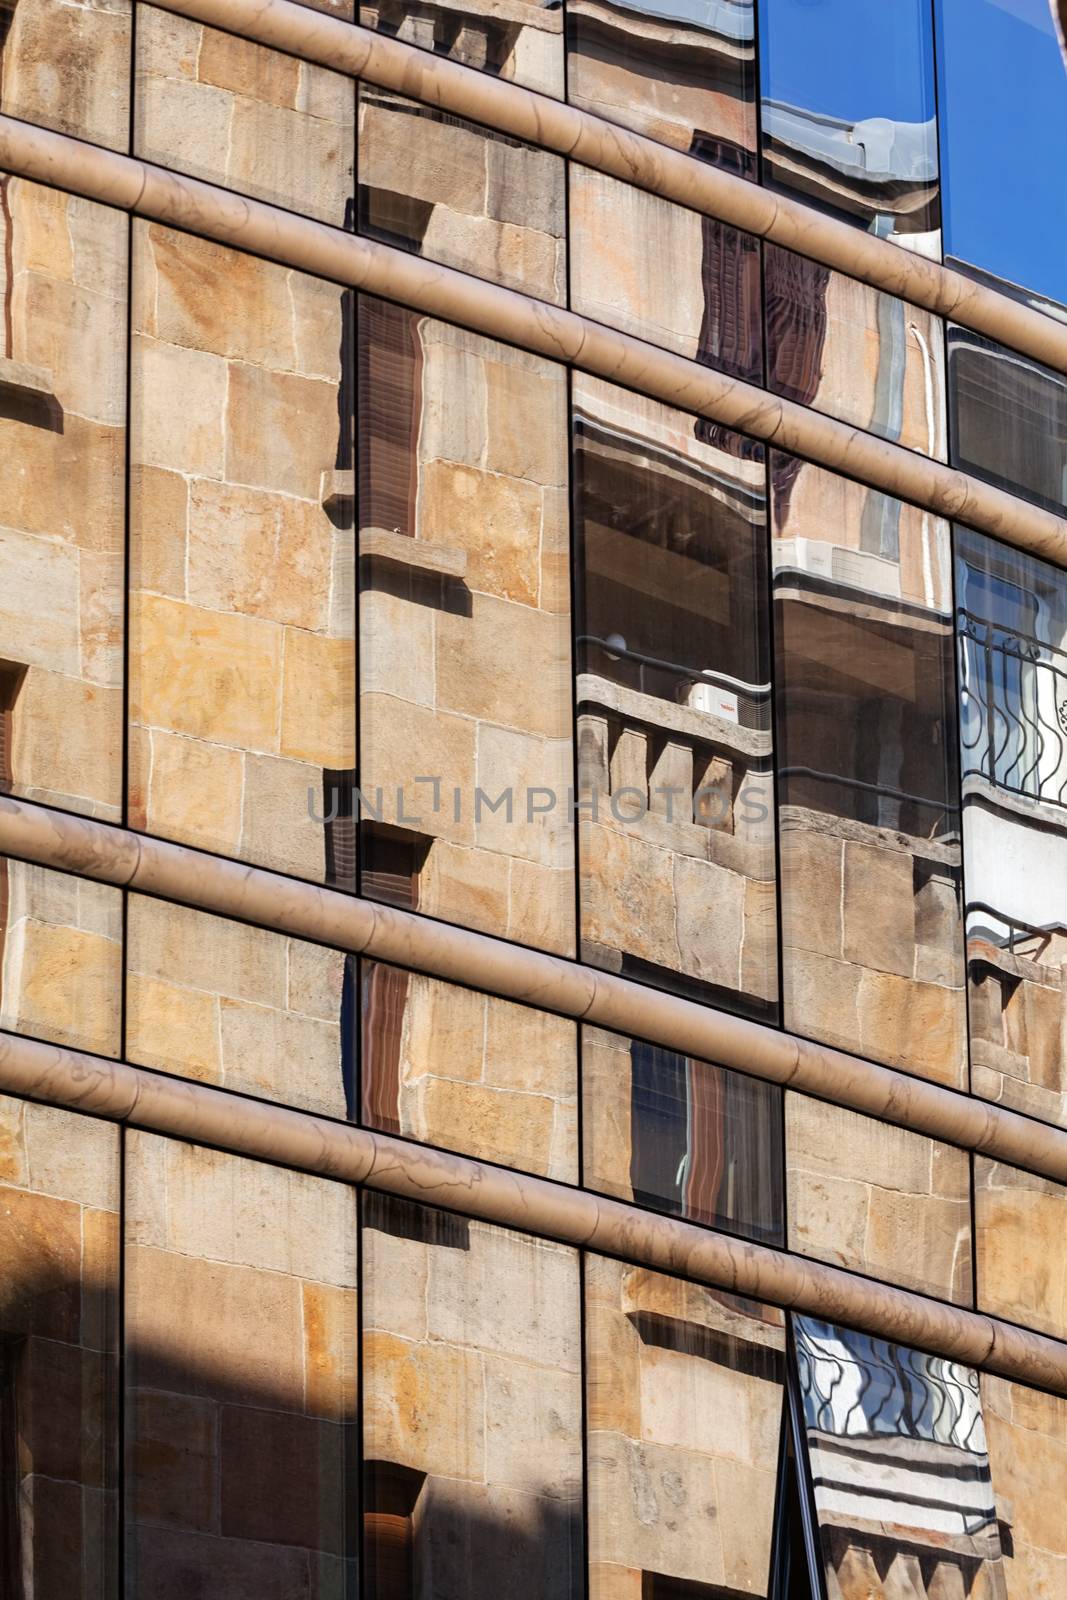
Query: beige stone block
x=173 y=1028
x=812 y=866
x=281 y=430
x=527 y=421
x=495 y=519
x=63 y=984
x=919 y=1026
x=331 y=1364
x=300 y=161
x=396 y=647
x=90 y=96
x=530 y=1050
x=314 y=980
x=247 y=69
x=453 y=363
x=14 y=1169
x=759 y=948
x=319 y=700
x=1022 y=1266
x=78 y=336
x=394 y=1277
x=159 y=512
x=879 y=908
x=278 y=829
x=745 y=1495
x=509 y=1294
x=213 y=954
x=506 y=664
x=215 y=299
x=100 y=616
x=511 y=1128
x=424 y=1406
x=532 y=1428
x=68 y=743
x=922 y=1241
x=205 y=674
x=99 y=242
x=66 y=486
x=317 y=322
x=168 y=44
x=877 y=1152
x=628 y=895
x=444 y=1031
x=519 y=258
x=467 y=886
x=657 y=1509
x=186 y=789
x=39 y=601
x=401 y=742
x=258 y=553
x=820 y=995
x=186 y=123
x=540 y=909
x=42 y=241
x=608 y=1582
x=280 y=1056
x=709 y=905
x=71 y=1157
x=451 y=169
x=177 y=408
x=555 y=593
x=528 y=773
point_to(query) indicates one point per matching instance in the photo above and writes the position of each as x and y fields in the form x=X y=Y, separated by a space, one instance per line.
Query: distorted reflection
x=870 y=852
x=684 y=1387
x=475 y=199
x=865 y=357
x=682 y=1136
x=1009 y=418
x=1003 y=111
x=849 y=112
x=898 y=1460
x=677 y=833
x=681 y=71
x=1028 y=1460
x=1012 y=635
x=520 y=39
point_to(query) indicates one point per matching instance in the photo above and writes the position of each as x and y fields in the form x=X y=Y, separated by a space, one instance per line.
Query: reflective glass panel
x=674 y=277
x=472 y=1409
x=466 y=721
x=60 y=958
x=249 y=118
x=878 y=1199
x=682 y=1136
x=681 y=71
x=473 y=199
x=684 y=1387
x=521 y=40
x=1003 y=98
x=897 y=1455
x=242 y=654
x=1019 y=1222
x=63 y=278
x=1028 y=1459
x=844 y=348
x=234 y=1005
x=68 y=67
x=241 y=1377
x=59 y=1308
x=849 y=112
x=1009 y=419
x=469 y=1072
x=869 y=812
x=1012 y=640
x=674 y=718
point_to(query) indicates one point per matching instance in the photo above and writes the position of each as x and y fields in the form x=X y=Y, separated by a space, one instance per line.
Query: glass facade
x=451 y=798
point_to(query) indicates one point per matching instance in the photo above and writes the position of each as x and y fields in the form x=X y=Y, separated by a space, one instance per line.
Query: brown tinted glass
x=59 y=1307
x=1019 y=1222
x=465 y=660
x=469 y=1072
x=857 y=354
x=1009 y=419
x=878 y=1199
x=897 y=1456
x=241 y=1374
x=252 y=1011
x=68 y=67
x=472 y=1409
x=869 y=810
x=474 y=199
x=63 y=278
x=60 y=958
x=521 y=40
x=221 y=108
x=242 y=654
x=682 y=1136
x=1012 y=641
x=681 y=71
x=665 y=274
x=1028 y=1460
x=684 y=1392
x=674 y=721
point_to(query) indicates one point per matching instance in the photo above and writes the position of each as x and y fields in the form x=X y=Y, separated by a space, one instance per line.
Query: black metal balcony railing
x=1013 y=724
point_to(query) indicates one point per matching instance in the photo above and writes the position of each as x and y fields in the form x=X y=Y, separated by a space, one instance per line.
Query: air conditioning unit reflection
x=712 y=698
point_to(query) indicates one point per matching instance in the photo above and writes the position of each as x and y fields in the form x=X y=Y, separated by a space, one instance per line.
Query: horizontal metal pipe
x=193 y=1111
x=487 y=308
x=596 y=142
x=225 y=888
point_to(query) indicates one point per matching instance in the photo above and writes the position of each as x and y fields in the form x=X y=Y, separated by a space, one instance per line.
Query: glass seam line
x=596 y=142
x=190 y=877
x=198 y=1113
x=550 y=331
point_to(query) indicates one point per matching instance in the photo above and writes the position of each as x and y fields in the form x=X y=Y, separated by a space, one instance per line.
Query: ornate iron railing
x=1013 y=723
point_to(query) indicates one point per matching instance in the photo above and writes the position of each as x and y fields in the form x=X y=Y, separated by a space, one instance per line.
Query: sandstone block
x=173 y=1461
x=186 y=789
x=879 y=909
x=424 y=1406
x=260 y=554
x=281 y=430
x=188 y=437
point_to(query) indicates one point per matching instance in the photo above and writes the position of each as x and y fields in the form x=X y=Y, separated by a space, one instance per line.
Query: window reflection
x=872 y=938
x=1028 y=1459
x=1009 y=419
x=898 y=1459
x=522 y=40
x=681 y=71
x=849 y=112
x=677 y=850
x=1012 y=641
x=682 y=1136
